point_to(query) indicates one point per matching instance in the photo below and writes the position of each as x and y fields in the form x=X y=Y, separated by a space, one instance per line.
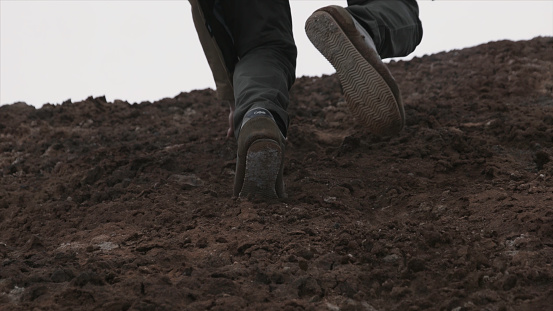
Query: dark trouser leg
x=266 y=69
x=261 y=79
x=393 y=25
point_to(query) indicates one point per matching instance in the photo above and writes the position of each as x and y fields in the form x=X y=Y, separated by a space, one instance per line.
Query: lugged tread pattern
x=368 y=96
x=263 y=163
x=260 y=160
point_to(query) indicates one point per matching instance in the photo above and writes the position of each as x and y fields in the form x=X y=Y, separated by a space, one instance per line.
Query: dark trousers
x=259 y=50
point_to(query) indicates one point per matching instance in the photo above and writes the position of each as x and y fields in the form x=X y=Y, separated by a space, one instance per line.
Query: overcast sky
x=51 y=51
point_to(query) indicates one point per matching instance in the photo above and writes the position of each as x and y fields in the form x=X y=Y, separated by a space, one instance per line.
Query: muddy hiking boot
x=370 y=91
x=260 y=157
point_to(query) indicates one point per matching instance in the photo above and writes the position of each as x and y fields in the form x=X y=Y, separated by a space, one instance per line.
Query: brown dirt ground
x=113 y=206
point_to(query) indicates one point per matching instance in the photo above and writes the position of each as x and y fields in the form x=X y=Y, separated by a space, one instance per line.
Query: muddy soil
x=118 y=206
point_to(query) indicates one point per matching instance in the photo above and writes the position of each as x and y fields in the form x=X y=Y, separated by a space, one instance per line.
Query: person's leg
x=263 y=75
x=219 y=51
x=265 y=72
x=261 y=59
x=394 y=25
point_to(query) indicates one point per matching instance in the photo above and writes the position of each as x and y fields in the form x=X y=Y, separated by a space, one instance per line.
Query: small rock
x=391 y=258
x=107 y=246
x=188 y=181
x=15 y=293
x=332 y=307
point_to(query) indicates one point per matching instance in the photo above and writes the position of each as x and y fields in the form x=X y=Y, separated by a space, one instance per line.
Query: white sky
x=51 y=51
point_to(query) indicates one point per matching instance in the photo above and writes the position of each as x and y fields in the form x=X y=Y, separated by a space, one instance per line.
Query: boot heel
x=263 y=164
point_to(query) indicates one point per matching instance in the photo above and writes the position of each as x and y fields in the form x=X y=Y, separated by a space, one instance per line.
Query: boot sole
x=263 y=165
x=367 y=94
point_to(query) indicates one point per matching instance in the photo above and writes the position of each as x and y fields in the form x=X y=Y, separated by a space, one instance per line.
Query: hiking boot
x=260 y=157
x=370 y=91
